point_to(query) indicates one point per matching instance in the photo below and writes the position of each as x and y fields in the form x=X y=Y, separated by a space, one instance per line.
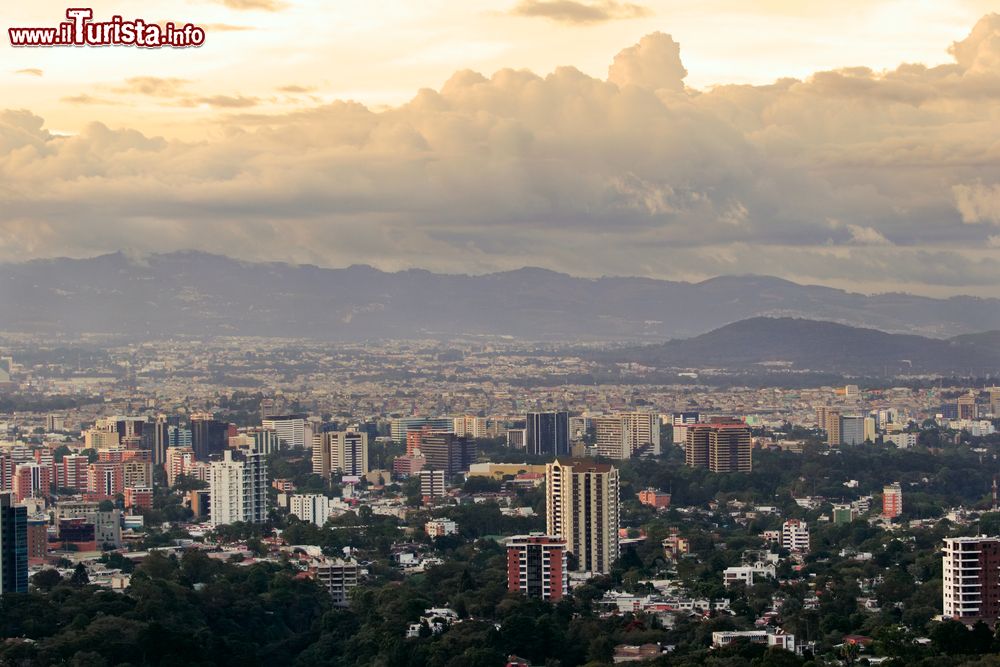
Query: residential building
x=581 y=501
x=654 y=498
x=627 y=434
x=852 y=429
x=339 y=577
x=440 y=528
x=795 y=536
x=537 y=566
x=137 y=473
x=431 y=484
x=469 y=426
x=892 y=500
x=239 y=489
x=971 y=579
x=139 y=496
x=448 y=452
x=747 y=574
x=311 y=508
x=722 y=447
x=348 y=452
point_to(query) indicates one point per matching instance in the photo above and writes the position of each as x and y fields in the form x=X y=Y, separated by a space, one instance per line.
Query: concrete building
x=971 y=579
x=627 y=434
x=238 y=489
x=310 y=507
x=448 y=452
x=892 y=500
x=431 y=484
x=547 y=433
x=581 y=499
x=537 y=566
x=440 y=528
x=13 y=546
x=290 y=429
x=339 y=577
x=469 y=426
x=723 y=447
x=795 y=536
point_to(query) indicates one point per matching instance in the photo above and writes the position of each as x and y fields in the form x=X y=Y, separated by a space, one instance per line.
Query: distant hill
x=762 y=343
x=202 y=294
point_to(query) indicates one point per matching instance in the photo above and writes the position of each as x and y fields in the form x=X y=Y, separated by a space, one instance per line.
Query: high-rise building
x=469 y=426
x=348 y=452
x=179 y=461
x=536 y=566
x=310 y=507
x=971 y=579
x=72 y=472
x=431 y=484
x=13 y=546
x=339 y=577
x=852 y=429
x=547 y=433
x=722 y=447
x=828 y=419
x=581 y=503
x=627 y=434
x=158 y=437
x=795 y=535
x=966 y=406
x=32 y=480
x=178 y=437
x=137 y=473
x=399 y=427
x=239 y=489
x=209 y=436
x=679 y=421
x=994 y=401
x=448 y=452
x=892 y=500
x=291 y=430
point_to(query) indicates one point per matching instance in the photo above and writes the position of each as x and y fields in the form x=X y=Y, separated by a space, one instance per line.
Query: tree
x=47 y=579
x=80 y=576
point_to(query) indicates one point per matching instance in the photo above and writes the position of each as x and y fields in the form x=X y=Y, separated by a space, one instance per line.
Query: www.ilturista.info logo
x=81 y=30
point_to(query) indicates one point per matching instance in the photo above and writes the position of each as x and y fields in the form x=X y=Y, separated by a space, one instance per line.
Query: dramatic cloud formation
x=876 y=180
x=570 y=11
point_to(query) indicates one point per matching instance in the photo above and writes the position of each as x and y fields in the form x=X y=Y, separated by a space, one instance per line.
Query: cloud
x=978 y=203
x=296 y=89
x=89 y=99
x=226 y=27
x=572 y=12
x=30 y=71
x=153 y=86
x=655 y=63
x=630 y=174
x=223 y=101
x=265 y=5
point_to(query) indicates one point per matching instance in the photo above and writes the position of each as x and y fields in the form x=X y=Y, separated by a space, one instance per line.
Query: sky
x=852 y=144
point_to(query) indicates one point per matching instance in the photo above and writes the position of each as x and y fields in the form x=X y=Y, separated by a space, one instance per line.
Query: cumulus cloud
x=632 y=174
x=655 y=63
x=573 y=12
x=978 y=203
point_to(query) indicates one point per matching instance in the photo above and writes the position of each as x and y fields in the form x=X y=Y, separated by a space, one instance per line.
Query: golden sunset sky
x=852 y=144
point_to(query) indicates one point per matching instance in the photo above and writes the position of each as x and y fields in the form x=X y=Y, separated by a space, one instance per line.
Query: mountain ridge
x=192 y=292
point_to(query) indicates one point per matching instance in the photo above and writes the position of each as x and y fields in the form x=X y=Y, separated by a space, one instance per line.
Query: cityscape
x=500 y=333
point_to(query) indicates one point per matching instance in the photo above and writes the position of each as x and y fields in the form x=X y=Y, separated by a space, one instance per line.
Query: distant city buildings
x=627 y=434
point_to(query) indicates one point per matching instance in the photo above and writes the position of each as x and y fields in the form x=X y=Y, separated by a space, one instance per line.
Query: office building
x=828 y=419
x=13 y=545
x=311 y=508
x=448 y=452
x=516 y=438
x=348 y=452
x=399 y=427
x=581 y=507
x=852 y=429
x=966 y=407
x=679 y=421
x=209 y=436
x=537 y=566
x=239 y=489
x=290 y=429
x=32 y=480
x=627 y=434
x=892 y=500
x=795 y=536
x=138 y=497
x=547 y=433
x=137 y=473
x=971 y=579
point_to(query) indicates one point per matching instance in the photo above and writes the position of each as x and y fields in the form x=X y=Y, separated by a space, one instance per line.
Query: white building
x=472 y=427
x=313 y=508
x=901 y=440
x=238 y=489
x=747 y=574
x=971 y=585
x=795 y=536
x=343 y=451
x=625 y=434
x=339 y=577
x=291 y=430
x=440 y=527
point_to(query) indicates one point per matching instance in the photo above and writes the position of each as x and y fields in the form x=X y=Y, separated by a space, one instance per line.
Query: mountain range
x=763 y=344
x=201 y=294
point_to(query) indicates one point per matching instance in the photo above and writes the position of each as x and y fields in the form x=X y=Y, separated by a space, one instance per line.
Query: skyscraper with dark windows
x=209 y=436
x=13 y=546
x=547 y=433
